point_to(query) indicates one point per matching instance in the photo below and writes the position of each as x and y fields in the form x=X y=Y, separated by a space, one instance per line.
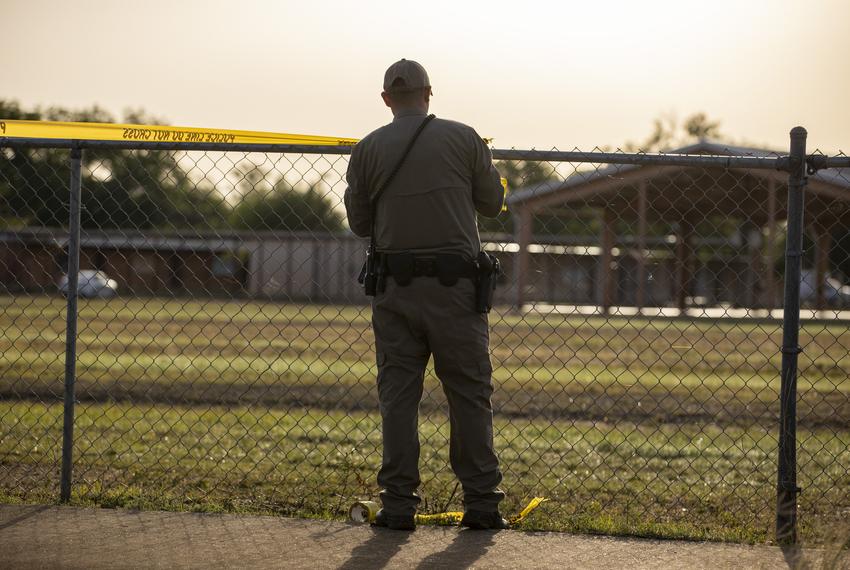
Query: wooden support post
x=752 y=239
x=824 y=242
x=606 y=257
x=641 y=245
x=683 y=255
x=259 y=257
x=316 y=271
x=770 y=250
x=290 y=267
x=523 y=228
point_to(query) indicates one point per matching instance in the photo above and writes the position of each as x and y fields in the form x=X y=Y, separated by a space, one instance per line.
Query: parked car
x=91 y=283
x=835 y=293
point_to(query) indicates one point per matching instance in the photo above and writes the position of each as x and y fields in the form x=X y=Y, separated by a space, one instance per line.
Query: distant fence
x=589 y=382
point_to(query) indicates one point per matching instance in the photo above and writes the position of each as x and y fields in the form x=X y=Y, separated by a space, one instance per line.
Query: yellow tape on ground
x=154 y=133
x=455 y=516
x=535 y=502
x=440 y=518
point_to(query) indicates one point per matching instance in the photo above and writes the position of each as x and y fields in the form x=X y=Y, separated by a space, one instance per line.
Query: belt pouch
x=400 y=266
x=450 y=268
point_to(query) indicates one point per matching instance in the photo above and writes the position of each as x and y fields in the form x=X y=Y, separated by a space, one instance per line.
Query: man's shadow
x=378 y=550
x=467 y=547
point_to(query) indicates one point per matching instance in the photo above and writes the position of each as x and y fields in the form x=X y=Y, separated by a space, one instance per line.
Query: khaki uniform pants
x=410 y=324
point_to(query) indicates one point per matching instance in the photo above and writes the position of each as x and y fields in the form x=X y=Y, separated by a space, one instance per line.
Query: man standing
x=427 y=244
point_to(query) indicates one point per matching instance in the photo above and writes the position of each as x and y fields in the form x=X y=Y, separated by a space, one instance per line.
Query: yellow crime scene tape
x=62 y=130
x=365 y=511
x=155 y=133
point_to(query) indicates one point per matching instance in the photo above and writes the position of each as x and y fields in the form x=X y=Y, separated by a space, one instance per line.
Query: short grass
x=694 y=482
x=630 y=426
x=195 y=351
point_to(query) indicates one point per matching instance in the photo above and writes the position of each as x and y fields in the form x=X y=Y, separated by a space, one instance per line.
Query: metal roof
x=833 y=176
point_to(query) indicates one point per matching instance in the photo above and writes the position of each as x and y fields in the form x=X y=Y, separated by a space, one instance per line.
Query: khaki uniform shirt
x=431 y=203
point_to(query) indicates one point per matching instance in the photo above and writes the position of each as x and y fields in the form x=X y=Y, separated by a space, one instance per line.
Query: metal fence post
x=71 y=323
x=786 y=487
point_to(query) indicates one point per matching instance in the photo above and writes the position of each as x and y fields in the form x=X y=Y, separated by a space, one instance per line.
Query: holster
x=373 y=274
x=368 y=276
x=488 y=271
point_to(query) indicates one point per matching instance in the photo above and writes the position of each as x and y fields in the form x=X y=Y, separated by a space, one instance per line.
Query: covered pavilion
x=752 y=201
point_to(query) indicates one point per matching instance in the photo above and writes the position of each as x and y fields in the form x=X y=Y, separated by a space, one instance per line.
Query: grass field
x=650 y=427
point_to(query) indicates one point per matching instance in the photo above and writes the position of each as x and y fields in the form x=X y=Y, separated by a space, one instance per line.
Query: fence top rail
x=772 y=162
x=776 y=162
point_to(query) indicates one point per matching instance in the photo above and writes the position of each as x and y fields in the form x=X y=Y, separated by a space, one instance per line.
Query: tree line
x=147 y=189
x=125 y=189
x=150 y=189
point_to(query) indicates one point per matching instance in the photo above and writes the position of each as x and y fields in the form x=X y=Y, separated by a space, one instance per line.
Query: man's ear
x=386 y=98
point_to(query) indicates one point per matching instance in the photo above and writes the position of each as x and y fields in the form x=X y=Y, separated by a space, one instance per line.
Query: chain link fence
x=219 y=353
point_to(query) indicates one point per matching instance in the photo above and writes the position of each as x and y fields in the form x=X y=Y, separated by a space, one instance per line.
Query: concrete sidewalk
x=67 y=537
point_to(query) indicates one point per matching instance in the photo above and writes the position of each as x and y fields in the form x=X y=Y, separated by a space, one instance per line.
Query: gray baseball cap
x=411 y=74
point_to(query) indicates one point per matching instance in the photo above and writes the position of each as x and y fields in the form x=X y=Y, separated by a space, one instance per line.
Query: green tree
x=121 y=188
x=519 y=174
x=285 y=208
x=668 y=134
x=33 y=182
x=698 y=126
x=269 y=202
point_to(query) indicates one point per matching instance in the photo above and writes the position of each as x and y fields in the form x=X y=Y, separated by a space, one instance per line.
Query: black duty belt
x=446 y=267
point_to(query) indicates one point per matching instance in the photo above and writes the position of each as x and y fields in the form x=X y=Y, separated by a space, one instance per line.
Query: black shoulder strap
x=374 y=202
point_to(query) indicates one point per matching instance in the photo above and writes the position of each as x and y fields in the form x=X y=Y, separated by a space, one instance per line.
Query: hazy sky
x=543 y=74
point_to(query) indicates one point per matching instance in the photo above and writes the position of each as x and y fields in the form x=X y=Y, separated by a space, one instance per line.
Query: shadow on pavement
x=24 y=516
x=792 y=555
x=377 y=551
x=467 y=547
